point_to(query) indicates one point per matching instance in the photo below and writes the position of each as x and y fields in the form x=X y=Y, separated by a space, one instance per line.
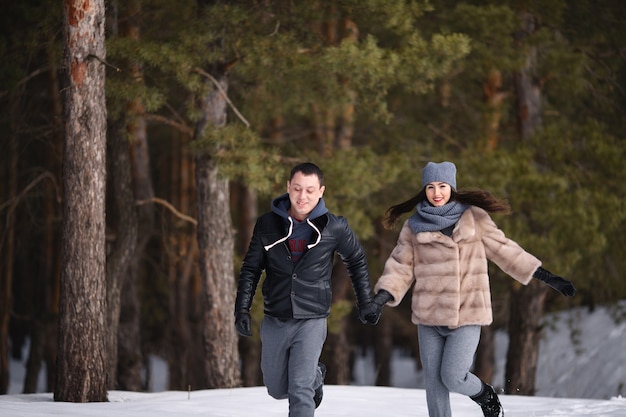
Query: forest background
x=208 y=106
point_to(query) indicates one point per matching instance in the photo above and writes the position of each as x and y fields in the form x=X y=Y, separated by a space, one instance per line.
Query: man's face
x=304 y=193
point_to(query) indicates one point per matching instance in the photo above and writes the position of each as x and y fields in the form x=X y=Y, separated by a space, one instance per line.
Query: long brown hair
x=471 y=197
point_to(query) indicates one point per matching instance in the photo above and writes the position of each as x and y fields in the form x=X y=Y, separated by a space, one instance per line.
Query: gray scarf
x=429 y=218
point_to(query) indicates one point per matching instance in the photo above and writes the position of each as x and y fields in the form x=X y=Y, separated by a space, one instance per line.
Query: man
x=295 y=245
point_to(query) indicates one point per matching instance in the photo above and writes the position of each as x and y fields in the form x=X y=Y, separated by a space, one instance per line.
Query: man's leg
x=304 y=373
x=275 y=344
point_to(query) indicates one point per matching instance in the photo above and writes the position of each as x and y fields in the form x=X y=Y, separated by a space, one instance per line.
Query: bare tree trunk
x=44 y=310
x=82 y=316
x=130 y=358
x=6 y=277
x=495 y=102
x=53 y=252
x=383 y=342
x=249 y=347
x=186 y=295
x=120 y=257
x=216 y=245
x=527 y=303
x=527 y=85
x=494 y=96
x=527 y=307
x=129 y=352
x=338 y=351
x=485 y=355
x=179 y=333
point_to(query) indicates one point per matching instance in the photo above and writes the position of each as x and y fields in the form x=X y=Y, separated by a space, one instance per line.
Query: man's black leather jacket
x=301 y=290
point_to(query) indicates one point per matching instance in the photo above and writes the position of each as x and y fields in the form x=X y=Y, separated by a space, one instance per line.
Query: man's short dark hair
x=308 y=168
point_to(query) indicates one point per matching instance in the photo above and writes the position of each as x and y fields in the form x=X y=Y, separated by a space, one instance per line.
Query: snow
x=581 y=373
x=339 y=400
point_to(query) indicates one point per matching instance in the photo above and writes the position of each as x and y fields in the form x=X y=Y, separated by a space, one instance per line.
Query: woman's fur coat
x=450 y=277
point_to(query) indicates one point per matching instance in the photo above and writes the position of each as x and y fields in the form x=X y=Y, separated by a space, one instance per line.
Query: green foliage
x=489 y=27
x=394 y=73
x=422 y=63
x=235 y=146
x=592 y=162
x=353 y=177
x=284 y=66
x=567 y=198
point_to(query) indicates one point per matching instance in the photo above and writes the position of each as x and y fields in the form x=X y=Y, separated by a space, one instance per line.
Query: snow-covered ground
x=581 y=373
x=339 y=401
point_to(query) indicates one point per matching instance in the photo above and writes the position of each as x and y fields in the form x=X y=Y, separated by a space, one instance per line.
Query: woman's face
x=438 y=193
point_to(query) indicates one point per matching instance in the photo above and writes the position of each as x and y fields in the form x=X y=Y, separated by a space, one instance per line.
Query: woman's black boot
x=489 y=402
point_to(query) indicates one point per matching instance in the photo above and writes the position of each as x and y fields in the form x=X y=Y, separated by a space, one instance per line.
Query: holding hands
x=370 y=313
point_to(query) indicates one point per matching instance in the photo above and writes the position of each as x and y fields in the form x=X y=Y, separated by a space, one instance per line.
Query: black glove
x=242 y=323
x=370 y=313
x=382 y=297
x=563 y=286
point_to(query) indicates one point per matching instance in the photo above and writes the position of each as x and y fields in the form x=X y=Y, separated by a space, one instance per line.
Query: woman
x=442 y=250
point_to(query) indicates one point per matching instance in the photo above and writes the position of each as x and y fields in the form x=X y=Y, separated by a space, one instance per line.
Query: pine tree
x=82 y=356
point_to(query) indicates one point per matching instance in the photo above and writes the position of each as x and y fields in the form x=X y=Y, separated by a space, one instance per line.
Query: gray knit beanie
x=439 y=172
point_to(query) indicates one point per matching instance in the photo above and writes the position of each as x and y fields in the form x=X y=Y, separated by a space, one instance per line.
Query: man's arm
x=251 y=270
x=353 y=255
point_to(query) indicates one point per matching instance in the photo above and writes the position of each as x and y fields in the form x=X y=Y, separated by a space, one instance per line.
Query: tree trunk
x=129 y=351
x=216 y=245
x=527 y=85
x=495 y=102
x=527 y=307
x=43 y=310
x=53 y=259
x=527 y=303
x=383 y=343
x=338 y=351
x=120 y=257
x=82 y=316
x=186 y=294
x=485 y=355
x=6 y=277
x=249 y=347
x=383 y=347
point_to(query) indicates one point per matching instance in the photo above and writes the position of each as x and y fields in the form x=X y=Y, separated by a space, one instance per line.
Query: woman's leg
x=432 y=343
x=458 y=357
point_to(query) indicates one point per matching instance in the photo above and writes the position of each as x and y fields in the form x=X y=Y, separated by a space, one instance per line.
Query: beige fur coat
x=451 y=284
